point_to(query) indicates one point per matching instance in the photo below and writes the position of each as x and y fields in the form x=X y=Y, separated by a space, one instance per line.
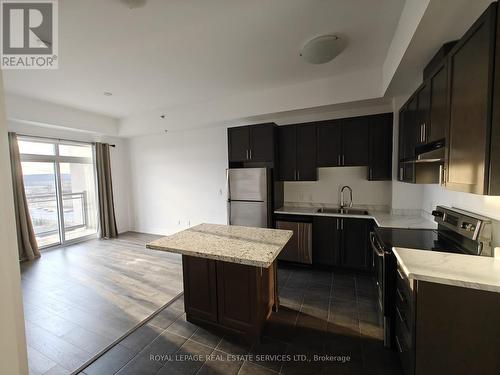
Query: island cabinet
x=446 y=329
x=231 y=297
x=341 y=242
x=297 y=152
x=252 y=143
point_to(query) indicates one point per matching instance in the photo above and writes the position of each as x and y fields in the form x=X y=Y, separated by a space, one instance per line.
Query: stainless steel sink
x=343 y=211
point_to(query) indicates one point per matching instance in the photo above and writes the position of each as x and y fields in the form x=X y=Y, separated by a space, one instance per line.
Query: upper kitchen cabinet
x=473 y=157
x=355 y=141
x=253 y=143
x=346 y=142
x=297 y=152
x=438 y=118
x=329 y=143
x=380 y=149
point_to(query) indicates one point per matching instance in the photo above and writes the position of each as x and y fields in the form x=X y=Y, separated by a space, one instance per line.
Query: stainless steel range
x=458 y=231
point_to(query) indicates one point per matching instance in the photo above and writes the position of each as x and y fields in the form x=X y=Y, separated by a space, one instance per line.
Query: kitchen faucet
x=342 y=202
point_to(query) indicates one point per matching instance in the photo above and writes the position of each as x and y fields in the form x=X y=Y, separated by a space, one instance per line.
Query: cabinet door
x=200 y=298
x=329 y=143
x=287 y=147
x=238 y=143
x=380 y=167
x=290 y=252
x=262 y=142
x=355 y=243
x=471 y=63
x=439 y=105
x=355 y=141
x=238 y=306
x=326 y=241
x=410 y=130
x=423 y=112
x=306 y=153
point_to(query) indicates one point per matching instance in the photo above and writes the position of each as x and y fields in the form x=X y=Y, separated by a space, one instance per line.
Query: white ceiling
x=178 y=52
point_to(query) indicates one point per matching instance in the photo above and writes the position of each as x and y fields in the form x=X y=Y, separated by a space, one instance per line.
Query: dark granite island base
x=235 y=298
x=230 y=274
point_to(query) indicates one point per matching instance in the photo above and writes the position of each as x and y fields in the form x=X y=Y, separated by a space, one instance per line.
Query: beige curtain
x=105 y=191
x=28 y=247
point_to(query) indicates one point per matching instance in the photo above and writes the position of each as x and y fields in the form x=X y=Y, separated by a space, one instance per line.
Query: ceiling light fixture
x=322 y=49
x=132 y=4
x=107 y=93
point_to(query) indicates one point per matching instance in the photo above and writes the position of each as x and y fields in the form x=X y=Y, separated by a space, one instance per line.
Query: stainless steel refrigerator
x=249 y=197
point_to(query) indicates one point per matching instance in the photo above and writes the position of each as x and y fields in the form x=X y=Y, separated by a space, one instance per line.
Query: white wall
x=330 y=181
x=13 y=357
x=179 y=179
x=119 y=161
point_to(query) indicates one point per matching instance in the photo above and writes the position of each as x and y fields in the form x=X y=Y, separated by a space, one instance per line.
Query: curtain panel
x=28 y=247
x=107 y=218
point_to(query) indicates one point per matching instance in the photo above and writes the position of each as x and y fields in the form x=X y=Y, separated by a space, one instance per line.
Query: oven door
x=378 y=269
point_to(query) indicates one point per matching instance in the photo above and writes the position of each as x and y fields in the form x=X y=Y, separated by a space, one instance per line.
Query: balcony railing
x=45 y=217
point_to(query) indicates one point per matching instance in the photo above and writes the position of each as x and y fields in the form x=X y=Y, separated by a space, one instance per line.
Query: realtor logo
x=29 y=37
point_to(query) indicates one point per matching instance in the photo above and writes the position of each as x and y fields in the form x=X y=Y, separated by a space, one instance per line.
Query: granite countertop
x=251 y=246
x=382 y=219
x=469 y=271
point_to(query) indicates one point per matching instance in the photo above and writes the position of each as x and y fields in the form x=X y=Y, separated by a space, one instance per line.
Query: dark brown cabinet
x=439 y=110
x=231 y=297
x=471 y=64
x=253 y=143
x=380 y=149
x=437 y=324
x=354 y=248
x=329 y=143
x=326 y=241
x=297 y=152
x=299 y=248
x=343 y=142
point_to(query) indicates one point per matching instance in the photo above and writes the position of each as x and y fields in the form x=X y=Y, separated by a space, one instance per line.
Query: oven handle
x=376 y=250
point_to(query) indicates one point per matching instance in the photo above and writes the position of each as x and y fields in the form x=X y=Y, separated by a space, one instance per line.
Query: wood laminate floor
x=80 y=298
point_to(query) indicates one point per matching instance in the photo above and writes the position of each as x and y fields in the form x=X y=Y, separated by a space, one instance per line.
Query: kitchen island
x=229 y=274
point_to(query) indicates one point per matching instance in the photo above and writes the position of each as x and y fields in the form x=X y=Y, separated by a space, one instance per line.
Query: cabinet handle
x=398 y=344
x=401 y=173
x=338 y=224
x=400 y=316
x=424 y=131
x=339 y=160
x=247 y=155
x=398 y=292
x=250 y=153
x=341 y=224
x=343 y=160
x=298 y=175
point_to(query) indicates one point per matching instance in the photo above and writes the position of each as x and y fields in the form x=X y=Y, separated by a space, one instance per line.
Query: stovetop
x=422 y=239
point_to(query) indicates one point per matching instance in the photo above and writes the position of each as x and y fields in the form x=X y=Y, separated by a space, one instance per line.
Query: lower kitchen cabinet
x=444 y=329
x=299 y=248
x=354 y=249
x=326 y=241
x=233 y=298
x=342 y=242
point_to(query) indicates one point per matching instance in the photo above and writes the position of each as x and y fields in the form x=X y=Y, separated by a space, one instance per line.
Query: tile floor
x=333 y=315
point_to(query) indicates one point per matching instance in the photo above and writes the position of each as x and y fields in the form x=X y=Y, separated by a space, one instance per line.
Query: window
x=60 y=186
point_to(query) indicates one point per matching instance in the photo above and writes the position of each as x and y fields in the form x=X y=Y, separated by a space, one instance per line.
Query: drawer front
x=404 y=348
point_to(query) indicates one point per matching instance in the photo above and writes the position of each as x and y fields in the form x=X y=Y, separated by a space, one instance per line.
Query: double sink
x=343 y=211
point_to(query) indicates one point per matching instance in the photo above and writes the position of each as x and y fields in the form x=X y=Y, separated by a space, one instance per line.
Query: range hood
x=432 y=152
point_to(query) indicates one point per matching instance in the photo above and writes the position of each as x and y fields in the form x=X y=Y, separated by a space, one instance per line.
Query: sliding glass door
x=60 y=185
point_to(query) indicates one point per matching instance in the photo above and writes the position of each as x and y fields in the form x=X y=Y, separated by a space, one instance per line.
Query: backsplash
x=326 y=190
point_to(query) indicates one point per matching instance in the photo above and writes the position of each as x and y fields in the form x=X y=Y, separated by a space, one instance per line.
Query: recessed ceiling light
x=107 y=93
x=163 y=116
x=322 y=49
x=132 y=4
